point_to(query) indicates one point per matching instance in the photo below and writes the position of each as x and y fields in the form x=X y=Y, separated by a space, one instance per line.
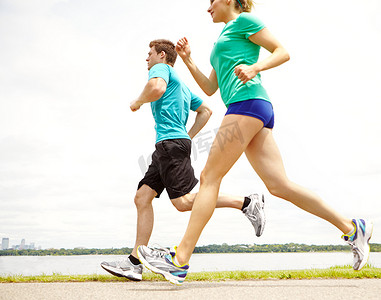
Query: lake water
x=90 y=264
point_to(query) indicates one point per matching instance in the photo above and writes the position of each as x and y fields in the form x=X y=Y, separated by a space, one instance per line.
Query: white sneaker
x=359 y=242
x=255 y=213
x=124 y=268
x=160 y=261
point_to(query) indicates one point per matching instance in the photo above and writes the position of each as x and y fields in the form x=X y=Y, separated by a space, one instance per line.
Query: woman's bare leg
x=233 y=136
x=264 y=156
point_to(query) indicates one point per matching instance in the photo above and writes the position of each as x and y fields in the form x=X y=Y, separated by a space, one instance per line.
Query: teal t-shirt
x=234 y=48
x=171 y=111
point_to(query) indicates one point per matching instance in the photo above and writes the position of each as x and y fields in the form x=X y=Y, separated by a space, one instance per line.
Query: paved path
x=257 y=289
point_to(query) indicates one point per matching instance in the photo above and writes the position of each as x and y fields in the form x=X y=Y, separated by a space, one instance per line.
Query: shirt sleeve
x=159 y=70
x=195 y=102
x=250 y=24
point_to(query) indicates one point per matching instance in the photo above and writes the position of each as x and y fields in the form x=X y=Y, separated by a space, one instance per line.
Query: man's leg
x=252 y=207
x=185 y=203
x=145 y=218
x=131 y=267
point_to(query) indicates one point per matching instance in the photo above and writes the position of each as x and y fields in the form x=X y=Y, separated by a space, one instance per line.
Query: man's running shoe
x=160 y=261
x=124 y=268
x=359 y=242
x=255 y=213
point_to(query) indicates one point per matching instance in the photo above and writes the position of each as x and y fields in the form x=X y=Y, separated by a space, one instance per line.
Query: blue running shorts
x=256 y=108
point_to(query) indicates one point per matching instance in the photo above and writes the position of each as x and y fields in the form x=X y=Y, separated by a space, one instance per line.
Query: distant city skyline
x=5 y=245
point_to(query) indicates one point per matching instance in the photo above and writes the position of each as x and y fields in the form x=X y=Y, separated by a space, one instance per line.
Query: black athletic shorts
x=171 y=169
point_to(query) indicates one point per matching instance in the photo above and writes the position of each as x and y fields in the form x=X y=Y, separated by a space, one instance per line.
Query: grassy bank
x=345 y=272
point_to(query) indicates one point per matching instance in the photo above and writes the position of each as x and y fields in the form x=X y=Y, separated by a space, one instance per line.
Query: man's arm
x=202 y=117
x=154 y=89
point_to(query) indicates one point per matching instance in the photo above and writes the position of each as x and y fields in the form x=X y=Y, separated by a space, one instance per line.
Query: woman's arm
x=208 y=85
x=279 y=55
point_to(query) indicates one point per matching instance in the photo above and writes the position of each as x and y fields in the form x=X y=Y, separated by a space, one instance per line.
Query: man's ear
x=162 y=54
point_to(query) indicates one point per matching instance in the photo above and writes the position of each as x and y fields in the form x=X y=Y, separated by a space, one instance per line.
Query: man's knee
x=140 y=200
x=144 y=197
x=183 y=203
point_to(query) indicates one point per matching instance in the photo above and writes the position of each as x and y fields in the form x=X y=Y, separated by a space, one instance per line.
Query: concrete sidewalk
x=256 y=289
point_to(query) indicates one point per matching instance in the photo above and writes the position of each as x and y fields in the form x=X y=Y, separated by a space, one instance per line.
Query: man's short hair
x=168 y=47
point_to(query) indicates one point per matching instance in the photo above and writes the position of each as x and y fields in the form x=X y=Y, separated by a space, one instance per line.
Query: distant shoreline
x=342 y=272
x=224 y=248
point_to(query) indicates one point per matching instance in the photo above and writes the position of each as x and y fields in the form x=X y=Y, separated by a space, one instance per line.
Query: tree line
x=224 y=248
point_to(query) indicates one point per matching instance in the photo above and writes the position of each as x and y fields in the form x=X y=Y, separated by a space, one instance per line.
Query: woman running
x=246 y=128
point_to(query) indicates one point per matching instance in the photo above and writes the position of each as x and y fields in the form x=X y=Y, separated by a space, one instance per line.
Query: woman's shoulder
x=247 y=17
x=249 y=23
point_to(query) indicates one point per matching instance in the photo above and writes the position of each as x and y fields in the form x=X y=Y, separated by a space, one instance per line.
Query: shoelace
x=160 y=251
x=121 y=263
x=355 y=250
x=253 y=215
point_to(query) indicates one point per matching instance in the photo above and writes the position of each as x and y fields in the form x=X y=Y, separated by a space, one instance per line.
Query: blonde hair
x=247 y=5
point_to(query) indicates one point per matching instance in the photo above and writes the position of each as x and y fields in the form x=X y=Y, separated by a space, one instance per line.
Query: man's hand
x=245 y=72
x=135 y=105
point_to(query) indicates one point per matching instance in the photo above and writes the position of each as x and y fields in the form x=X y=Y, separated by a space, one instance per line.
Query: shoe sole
x=129 y=276
x=368 y=247
x=261 y=228
x=168 y=276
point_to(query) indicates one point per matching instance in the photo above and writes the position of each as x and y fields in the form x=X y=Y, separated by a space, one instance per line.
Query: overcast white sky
x=70 y=146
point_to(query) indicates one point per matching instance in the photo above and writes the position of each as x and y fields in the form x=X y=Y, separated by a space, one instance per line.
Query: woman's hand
x=183 y=48
x=245 y=72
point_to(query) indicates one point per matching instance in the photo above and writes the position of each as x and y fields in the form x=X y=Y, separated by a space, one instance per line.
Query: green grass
x=345 y=272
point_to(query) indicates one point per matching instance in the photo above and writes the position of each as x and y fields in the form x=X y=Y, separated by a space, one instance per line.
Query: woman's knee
x=209 y=177
x=279 y=188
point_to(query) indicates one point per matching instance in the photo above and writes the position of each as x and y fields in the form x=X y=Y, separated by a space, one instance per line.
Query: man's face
x=154 y=58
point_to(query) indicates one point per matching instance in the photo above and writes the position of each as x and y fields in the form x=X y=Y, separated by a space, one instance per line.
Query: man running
x=171 y=169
